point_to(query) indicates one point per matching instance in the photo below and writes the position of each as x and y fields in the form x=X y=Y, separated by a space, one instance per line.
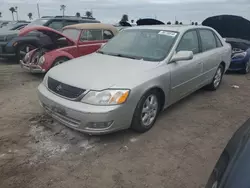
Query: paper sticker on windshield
x=168 y=33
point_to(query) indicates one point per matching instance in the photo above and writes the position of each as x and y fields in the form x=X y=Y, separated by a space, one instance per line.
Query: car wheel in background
x=59 y=61
x=22 y=50
x=146 y=112
x=216 y=79
x=247 y=67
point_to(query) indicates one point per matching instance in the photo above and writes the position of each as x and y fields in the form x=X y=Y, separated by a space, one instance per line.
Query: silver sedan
x=133 y=77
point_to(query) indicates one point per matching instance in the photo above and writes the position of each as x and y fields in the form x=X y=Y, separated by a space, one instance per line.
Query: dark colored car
x=16 y=25
x=240 y=55
x=233 y=167
x=236 y=31
x=13 y=45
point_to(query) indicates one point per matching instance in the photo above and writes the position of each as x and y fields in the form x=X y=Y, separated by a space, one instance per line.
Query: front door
x=186 y=75
x=90 y=41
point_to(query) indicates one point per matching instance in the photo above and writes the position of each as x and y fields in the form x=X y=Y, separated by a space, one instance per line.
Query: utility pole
x=38 y=11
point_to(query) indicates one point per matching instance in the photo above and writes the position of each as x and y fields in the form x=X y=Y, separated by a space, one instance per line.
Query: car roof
x=93 y=26
x=176 y=28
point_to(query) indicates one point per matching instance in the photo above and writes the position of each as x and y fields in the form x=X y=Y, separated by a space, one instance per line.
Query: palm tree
x=12 y=10
x=180 y=23
x=169 y=23
x=192 y=23
x=30 y=16
x=89 y=14
x=0 y=14
x=62 y=8
x=78 y=15
x=176 y=22
x=16 y=13
x=132 y=21
x=196 y=23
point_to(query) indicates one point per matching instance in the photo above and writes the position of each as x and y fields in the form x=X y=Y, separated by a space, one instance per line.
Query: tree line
x=14 y=11
x=125 y=18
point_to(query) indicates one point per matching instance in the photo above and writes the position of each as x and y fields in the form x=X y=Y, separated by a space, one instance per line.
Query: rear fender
x=24 y=40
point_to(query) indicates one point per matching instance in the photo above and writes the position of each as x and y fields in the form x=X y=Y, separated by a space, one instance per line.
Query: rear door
x=186 y=75
x=90 y=41
x=212 y=53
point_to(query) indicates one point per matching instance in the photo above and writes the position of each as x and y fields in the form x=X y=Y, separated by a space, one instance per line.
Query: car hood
x=98 y=71
x=149 y=21
x=6 y=35
x=45 y=30
x=229 y=26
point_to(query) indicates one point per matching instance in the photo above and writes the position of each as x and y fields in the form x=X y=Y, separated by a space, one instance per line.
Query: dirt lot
x=180 y=151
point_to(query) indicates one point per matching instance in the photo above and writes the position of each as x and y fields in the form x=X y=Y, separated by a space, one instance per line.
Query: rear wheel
x=216 y=79
x=59 y=61
x=22 y=50
x=146 y=112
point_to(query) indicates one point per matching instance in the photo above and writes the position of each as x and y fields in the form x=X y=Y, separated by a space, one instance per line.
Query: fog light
x=99 y=125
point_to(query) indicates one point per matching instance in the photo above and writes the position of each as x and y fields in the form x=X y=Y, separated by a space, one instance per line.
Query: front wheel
x=247 y=67
x=146 y=112
x=59 y=61
x=216 y=79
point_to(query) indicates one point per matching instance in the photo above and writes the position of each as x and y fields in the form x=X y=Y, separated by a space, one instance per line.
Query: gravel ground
x=180 y=150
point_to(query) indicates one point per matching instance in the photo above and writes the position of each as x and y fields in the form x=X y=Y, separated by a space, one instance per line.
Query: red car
x=75 y=41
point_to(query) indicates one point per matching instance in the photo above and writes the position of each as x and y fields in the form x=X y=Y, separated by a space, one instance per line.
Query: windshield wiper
x=125 y=56
x=119 y=55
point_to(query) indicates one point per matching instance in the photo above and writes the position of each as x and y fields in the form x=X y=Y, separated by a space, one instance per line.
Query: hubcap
x=217 y=77
x=149 y=110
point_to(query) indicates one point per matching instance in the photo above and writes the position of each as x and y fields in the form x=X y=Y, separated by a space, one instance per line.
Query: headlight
x=239 y=55
x=41 y=60
x=106 y=97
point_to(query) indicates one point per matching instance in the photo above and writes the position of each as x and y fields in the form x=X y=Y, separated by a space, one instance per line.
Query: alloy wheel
x=217 y=78
x=149 y=110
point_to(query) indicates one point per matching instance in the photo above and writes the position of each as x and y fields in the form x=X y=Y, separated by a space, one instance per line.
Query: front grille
x=64 y=89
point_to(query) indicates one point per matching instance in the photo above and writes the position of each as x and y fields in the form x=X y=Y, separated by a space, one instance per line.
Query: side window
x=218 y=42
x=107 y=35
x=189 y=42
x=208 y=40
x=70 y=22
x=56 y=24
x=91 y=35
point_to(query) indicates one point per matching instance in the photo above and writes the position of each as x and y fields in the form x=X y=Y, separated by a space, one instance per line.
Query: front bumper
x=81 y=116
x=31 y=67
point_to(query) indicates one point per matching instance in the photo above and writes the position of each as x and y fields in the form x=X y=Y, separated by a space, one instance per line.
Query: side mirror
x=182 y=56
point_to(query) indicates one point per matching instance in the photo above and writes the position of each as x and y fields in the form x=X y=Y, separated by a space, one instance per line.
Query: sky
x=110 y=11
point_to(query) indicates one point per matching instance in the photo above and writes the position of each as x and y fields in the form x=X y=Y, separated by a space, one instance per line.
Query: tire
x=247 y=68
x=59 y=61
x=22 y=50
x=140 y=125
x=214 y=85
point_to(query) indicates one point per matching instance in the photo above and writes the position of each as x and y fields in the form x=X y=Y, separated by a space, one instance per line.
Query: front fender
x=50 y=58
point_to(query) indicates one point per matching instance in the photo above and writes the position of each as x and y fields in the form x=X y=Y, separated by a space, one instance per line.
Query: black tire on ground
x=213 y=86
x=22 y=50
x=137 y=124
x=59 y=60
x=247 y=68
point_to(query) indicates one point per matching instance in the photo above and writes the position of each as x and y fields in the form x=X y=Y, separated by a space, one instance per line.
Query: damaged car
x=75 y=41
x=236 y=31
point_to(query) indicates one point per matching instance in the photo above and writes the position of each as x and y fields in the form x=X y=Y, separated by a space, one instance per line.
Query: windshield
x=146 y=44
x=38 y=22
x=72 y=33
